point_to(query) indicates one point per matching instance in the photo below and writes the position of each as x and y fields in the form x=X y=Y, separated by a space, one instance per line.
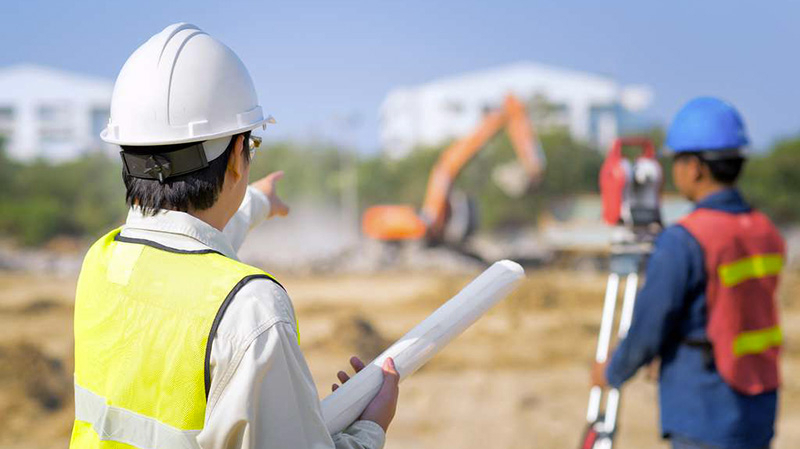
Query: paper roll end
x=512 y=267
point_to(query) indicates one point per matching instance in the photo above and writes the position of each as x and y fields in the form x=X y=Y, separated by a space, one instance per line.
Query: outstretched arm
x=260 y=202
x=671 y=276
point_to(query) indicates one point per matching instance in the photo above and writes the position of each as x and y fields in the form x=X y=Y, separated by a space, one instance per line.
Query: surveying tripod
x=629 y=252
x=631 y=202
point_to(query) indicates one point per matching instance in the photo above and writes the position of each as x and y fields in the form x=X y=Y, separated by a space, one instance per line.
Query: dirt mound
x=37 y=306
x=33 y=387
x=357 y=335
x=33 y=375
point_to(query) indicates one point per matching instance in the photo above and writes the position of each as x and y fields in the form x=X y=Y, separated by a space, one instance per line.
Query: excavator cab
x=401 y=222
x=393 y=223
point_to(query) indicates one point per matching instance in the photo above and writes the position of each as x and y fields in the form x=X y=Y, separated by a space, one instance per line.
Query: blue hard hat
x=707 y=124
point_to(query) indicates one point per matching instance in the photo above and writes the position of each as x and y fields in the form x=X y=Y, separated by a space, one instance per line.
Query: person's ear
x=236 y=160
x=704 y=171
x=697 y=167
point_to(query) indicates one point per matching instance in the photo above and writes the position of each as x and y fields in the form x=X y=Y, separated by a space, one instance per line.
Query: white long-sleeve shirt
x=262 y=394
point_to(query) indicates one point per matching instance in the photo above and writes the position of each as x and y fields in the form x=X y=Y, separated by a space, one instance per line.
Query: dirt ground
x=517 y=379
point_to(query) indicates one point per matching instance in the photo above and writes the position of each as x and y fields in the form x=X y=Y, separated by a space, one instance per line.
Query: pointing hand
x=267 y=186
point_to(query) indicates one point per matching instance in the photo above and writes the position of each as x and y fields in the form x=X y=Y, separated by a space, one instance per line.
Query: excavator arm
x=401 y=223
x=514 y=118
x=524 y=140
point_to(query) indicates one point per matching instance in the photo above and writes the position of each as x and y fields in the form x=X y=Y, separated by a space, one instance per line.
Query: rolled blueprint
x=414 y=349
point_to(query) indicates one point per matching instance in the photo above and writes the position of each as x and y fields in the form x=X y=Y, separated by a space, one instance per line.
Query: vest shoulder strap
x=707 y=224
x=218 y=319
x=714 y=229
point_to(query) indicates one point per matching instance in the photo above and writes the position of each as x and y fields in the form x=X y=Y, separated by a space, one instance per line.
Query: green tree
x=40 y=200
x=772 y=181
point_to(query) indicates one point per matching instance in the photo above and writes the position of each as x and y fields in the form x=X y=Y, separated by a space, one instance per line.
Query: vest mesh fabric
x=143 y=316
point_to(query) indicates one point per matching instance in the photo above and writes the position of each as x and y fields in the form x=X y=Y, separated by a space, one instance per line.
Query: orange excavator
x=443 y=208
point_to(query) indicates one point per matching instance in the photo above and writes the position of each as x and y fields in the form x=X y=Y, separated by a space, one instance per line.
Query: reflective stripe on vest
x=124 y=426
x=753 y=267
x=756 y=342
x=145 y=318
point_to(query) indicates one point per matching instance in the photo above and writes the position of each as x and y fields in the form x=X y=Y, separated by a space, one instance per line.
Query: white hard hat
x=182 y=85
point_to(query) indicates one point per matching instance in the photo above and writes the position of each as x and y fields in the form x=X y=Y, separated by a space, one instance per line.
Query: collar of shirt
x=727 y=200
x=177 y=230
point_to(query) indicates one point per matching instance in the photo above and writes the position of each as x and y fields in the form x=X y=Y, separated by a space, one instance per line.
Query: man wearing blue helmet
x=708 y=308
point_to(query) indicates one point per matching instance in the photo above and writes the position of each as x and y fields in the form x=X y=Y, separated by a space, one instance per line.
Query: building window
x=54 y=112
x=55 y=123
x=55 y=135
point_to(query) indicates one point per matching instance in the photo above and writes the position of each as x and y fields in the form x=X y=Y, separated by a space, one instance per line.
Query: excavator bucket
x=392 y=223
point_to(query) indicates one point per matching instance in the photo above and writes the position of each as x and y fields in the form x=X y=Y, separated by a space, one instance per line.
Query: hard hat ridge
x=180 y=86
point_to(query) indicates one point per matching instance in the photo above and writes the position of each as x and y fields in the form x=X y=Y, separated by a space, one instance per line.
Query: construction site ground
x=517 y=379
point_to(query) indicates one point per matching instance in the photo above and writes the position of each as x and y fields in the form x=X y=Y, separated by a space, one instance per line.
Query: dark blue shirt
x=671 y=308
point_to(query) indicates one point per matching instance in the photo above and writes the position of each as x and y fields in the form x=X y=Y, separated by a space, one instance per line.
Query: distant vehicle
x=450 y=217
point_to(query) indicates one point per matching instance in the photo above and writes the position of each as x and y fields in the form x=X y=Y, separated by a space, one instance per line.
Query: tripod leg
x=603 y=342
x=631 y=288
x=604 y=443
x=629 y=298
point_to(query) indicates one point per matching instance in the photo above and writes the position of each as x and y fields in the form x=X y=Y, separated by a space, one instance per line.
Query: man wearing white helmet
x=177 y=343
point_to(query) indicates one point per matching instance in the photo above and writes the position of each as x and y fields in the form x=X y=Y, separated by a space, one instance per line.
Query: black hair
x=197 y=190
x=724 y=171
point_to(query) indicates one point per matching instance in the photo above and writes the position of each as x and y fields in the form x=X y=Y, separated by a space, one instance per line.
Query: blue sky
x=316 y=61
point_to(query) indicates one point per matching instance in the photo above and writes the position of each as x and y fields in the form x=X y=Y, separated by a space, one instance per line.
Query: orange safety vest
x=743 y=256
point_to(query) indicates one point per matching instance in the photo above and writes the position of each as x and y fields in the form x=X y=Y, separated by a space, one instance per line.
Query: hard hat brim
x=104 y=135
x=709 y=155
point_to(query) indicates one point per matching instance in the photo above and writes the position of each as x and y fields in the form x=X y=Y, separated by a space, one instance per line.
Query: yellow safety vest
x=145 y=317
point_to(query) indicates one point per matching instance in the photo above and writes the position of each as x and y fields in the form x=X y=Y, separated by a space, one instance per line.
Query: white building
x=50 y=113
x=590 y=106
